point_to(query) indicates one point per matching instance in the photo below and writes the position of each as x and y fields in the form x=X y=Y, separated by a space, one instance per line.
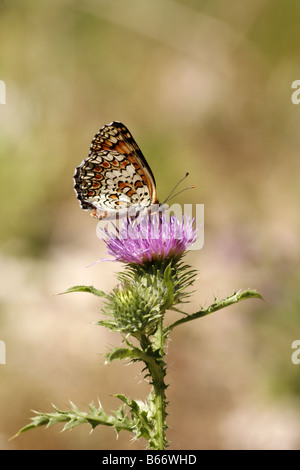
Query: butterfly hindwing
x=115 y=175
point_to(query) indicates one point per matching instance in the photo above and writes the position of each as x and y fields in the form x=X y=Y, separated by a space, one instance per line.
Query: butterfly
x=115 y=176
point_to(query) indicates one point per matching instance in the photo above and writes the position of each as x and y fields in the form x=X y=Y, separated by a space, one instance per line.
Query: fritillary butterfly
x=115 y=175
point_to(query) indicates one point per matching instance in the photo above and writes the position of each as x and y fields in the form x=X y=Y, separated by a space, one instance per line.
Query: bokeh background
x=205 y=87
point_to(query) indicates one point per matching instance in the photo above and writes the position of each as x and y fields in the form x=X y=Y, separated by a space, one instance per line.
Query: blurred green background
x=205 y=87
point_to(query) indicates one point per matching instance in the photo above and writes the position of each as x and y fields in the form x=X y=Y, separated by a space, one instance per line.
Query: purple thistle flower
x=150 y=238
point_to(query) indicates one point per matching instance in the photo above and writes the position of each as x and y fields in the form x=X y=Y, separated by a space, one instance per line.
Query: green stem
x=159 y=402
x=156 y=367
x=158 y=374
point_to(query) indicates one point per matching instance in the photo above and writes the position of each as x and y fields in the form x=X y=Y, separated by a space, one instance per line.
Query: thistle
x=155 y=279
x=152 y=239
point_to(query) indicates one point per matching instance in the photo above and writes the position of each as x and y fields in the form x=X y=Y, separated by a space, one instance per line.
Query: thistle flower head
x=154 y=238
x=144 y=294
x=132 y=308
x=155 y=279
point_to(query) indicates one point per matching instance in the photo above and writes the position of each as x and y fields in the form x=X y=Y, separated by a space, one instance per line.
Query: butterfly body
x=115 y=176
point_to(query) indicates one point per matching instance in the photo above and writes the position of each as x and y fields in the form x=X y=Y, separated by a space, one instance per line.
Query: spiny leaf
x=89 y=289
x=74 y=417
x=217 y=305
x=120 y=353
x=169 y=285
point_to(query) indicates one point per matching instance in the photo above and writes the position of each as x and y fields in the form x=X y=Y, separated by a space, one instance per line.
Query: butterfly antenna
x=171 y=195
